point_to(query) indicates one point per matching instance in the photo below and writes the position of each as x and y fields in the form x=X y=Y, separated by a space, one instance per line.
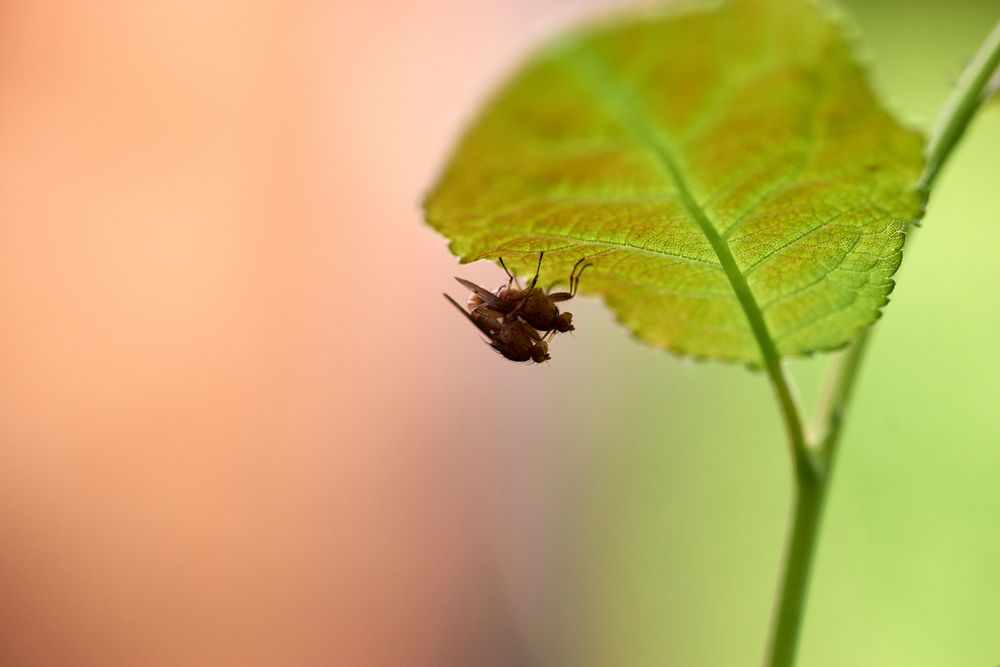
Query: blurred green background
x=686 y=506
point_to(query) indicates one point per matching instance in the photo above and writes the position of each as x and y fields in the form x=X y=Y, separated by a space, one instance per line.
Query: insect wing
x=484 y=311
x=489 y=298
x=480 y=324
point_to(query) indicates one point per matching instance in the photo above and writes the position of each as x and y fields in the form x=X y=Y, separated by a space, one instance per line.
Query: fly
x=518 y=321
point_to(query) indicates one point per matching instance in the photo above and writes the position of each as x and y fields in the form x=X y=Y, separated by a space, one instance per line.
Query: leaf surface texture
x=715 y=164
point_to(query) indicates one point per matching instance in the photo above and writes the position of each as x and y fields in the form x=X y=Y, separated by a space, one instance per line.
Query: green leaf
x=729 y=171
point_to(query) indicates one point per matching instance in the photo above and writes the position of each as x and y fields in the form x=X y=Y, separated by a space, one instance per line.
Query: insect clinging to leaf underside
x=508 y=335
x=533 y=304
x=519 y=320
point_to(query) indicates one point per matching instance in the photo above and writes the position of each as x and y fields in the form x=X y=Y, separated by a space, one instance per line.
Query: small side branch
x=965 y=100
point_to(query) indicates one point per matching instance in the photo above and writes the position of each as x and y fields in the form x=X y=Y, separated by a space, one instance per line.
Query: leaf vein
x=631 y=114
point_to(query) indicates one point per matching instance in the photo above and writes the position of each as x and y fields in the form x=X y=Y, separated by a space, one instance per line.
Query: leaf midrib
x=622 y=103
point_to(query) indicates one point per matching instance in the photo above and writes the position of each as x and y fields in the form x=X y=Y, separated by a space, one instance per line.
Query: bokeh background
x=240 y=426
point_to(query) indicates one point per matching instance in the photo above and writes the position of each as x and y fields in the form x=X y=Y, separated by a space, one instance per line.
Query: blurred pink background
x=239 y=425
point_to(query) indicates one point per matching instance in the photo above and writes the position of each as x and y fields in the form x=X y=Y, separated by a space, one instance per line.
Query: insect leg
x=575 y=283
x=572 y=274
x=511 y=278
x=505 y=269
x=537 y=269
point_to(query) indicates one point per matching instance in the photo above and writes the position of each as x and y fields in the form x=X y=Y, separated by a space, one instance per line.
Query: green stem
x=809 y=496
x=810 y=493
x=961 y=106
x=814 y=461
x=830 y=413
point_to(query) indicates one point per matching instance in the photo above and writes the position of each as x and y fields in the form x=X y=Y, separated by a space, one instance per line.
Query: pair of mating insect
x=518 y=322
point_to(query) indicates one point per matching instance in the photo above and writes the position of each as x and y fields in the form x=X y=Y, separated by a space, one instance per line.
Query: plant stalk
x=965 y=100
x=808 y=513
x=814 y=463
x=811 y=491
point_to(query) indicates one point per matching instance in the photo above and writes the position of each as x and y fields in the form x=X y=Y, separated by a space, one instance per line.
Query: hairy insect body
x=517 y=341
x=509 y=336
x=538 y=308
